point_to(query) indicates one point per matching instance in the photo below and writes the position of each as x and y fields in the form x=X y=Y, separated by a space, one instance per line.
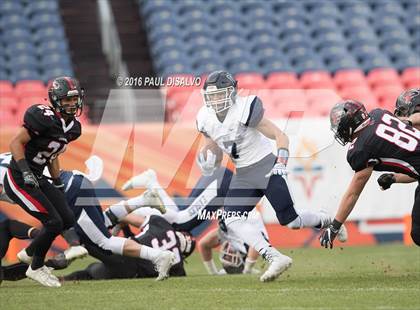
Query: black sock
x=15 y=272
x=71 y=237
x=19 y=230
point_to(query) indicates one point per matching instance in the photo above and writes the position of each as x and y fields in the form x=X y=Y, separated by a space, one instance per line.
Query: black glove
x=329 y=234
x=29 y=179
x=58 y=184
x=386 y=180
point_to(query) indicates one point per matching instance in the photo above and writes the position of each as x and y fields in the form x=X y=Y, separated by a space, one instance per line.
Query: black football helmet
x=346 y=118
x=66 y=87
x=219 y=91
x=408 y=102
x=187 y=243
x=233 y=261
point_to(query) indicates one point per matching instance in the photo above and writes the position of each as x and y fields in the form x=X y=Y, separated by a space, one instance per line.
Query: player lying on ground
x=91 y=227
x=379 y=141
x=206 y=197
x=237 y=125
x=235 y=256
x=156 y=233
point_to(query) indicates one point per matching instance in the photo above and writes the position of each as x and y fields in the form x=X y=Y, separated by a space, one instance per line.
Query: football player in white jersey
x=237 y=126
x=234 y=255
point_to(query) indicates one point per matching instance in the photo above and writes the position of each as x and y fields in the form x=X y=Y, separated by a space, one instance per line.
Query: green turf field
x=381 y=277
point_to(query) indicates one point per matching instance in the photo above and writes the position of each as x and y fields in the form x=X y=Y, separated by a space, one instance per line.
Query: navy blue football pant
x=251 y=183
x=47 y=204
x=81 y=197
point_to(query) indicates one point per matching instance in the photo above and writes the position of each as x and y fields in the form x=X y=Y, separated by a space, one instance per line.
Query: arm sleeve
x=35 y=121
x=255 y=113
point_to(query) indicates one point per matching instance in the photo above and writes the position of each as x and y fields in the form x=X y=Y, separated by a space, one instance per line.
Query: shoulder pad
x=38 y=118
x=253 y=111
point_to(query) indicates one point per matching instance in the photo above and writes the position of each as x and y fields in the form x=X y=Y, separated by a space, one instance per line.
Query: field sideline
x=380 y=277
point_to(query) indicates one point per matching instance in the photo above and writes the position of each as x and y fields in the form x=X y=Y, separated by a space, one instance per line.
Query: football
x=215 y=150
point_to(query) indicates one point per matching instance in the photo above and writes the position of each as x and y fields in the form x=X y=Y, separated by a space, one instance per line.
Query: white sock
x=119 y=210
x=309 y=218
x=135 y=203
x=170 y=215
x=149 y=253
x=249 y=264
x=250 y=234
x=210 y=267
x=167 y=201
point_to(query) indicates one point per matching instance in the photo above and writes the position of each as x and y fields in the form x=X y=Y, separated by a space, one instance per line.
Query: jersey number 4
x=395 y=131
x=233 y=150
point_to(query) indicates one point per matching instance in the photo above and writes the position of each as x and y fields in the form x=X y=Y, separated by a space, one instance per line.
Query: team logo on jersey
x=308 y=171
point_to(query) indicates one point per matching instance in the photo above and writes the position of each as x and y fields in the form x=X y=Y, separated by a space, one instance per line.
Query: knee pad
x=113 y=244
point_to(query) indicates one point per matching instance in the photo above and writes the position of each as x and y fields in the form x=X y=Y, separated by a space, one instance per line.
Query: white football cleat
x=152 y=199
x=342 y=235
x=24 y=257
x=147 y=179
x=163 y=263
x=279 y=263
x=44 y=276
x=74 y=252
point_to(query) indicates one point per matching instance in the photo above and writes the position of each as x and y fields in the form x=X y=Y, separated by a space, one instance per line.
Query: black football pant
x=13 y=229
x=415 y=218
x=47 y=204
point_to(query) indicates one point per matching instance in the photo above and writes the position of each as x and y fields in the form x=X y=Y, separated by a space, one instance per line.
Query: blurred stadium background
x=298 y=56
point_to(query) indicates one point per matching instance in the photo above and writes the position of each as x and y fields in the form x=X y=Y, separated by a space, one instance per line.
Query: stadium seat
x=360 y=93
x=6 y=88
x=171 y=91
x=299 y=37
x=8 y=103
x=30 y=88
x=250 y=80
x=349 y=78
x=282 y=80
x=8 y=118
x=26 y=102
x=316 y=79
x=387 y=95
x=288 y=96
x=42 y=6
x=411 y=77
x=383 y=76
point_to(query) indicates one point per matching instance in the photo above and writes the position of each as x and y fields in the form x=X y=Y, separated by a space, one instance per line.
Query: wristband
x=336 y=225
x=283 y=155
x=57 y=183
x=23 y=165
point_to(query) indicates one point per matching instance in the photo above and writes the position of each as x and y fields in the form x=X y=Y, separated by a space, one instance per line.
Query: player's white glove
x=279 y=167
x=207 y=165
